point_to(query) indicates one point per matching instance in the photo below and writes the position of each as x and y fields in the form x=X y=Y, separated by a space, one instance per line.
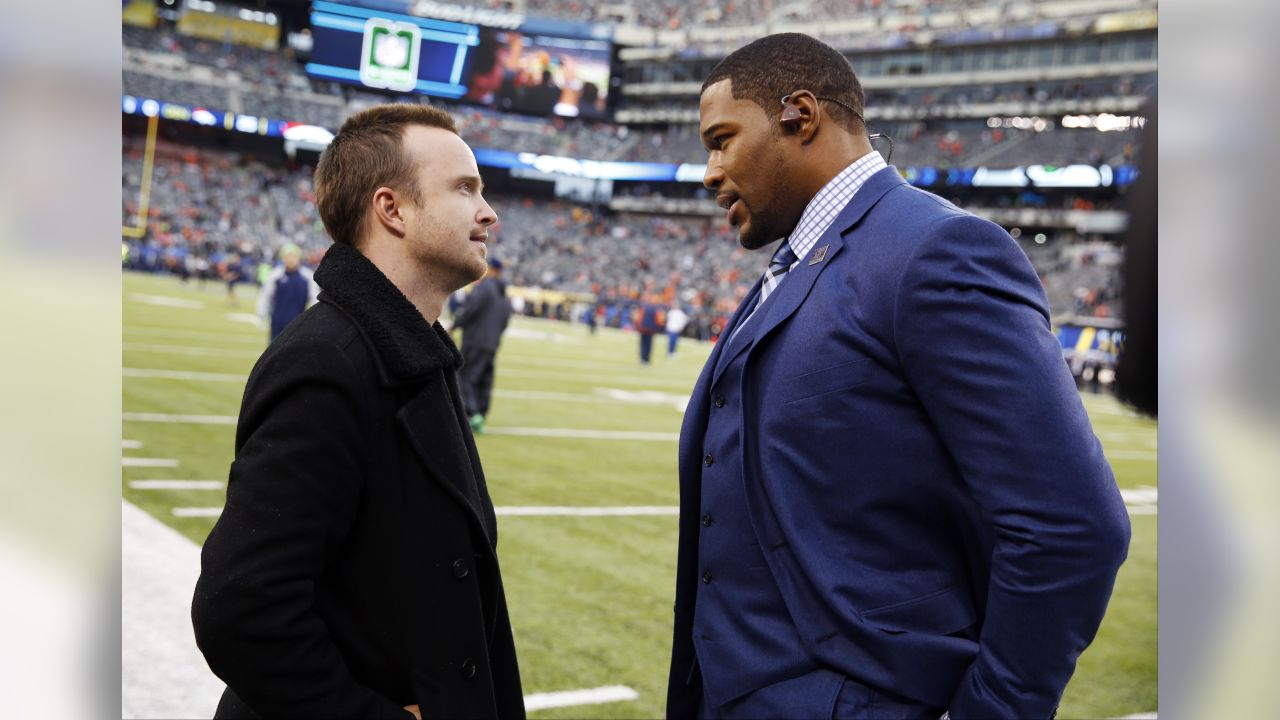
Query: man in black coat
x=353 y=572
x=482 y=318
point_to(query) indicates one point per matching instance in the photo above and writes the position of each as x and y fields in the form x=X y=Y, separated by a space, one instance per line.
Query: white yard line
x=570 y=698
x=677 y=401
x=182 y=375
x=197 y=511
x=214 y=337
x=1141 y=500
x=567 y=511
x=166 y=301
x=130 y=445
x=147 y=462
x=177 y=484
x=246 y=319
x=190 y=350
x=583 y=434
x=1142 y=495
x=619 y=379
x=602 y=395
x=542 y=336
x=631 y=366
x=179 y=419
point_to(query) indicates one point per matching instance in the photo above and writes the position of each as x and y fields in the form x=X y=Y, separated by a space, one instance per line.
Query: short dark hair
x=765 y=70
x=366 y=154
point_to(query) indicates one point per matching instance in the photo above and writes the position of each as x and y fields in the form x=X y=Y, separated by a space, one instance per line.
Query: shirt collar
x=829 y=201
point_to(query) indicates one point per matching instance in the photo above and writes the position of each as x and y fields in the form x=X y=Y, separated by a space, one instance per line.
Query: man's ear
x=800 y=115
x=388 y=210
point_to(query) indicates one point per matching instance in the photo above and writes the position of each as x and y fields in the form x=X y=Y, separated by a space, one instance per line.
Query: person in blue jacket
x=892 y=503
x=287 y=291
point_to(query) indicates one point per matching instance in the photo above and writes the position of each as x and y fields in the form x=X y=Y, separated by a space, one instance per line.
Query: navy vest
x=742 y=632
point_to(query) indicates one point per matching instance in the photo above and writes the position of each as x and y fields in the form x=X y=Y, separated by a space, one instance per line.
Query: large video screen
x=540 y=74
x=535 y=73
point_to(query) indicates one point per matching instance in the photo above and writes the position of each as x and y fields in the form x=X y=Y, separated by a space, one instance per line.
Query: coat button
x=708 y=460
x=707 y=520
x=460 y=569
x=719 y=401
x=468 y=668
x=706 y=578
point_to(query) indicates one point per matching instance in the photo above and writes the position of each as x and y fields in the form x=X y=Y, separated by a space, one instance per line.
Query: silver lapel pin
x=819 y=255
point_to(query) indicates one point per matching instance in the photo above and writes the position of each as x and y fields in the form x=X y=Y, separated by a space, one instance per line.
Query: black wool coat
x=354 y=570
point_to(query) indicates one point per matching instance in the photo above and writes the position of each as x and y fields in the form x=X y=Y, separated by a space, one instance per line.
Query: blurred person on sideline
x=286 y=291
x=483 y=317
x=233 y=274
x=649 y=322
x=892 y=501
x=353 y=571
x=677 y=319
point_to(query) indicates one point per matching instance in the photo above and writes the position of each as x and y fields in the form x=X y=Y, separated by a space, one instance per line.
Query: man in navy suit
x=892 y=501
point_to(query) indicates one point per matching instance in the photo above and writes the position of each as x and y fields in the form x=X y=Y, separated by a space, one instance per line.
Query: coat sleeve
x=293 y=492
x=972 y=329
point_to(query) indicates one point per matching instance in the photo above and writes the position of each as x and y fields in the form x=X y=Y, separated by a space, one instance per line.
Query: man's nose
x=714 y=175
x=487 y=215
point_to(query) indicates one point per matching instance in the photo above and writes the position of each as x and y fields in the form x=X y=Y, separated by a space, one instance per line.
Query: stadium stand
x=877 y=15
x=258 y=82
x=979 y=87
x=206 y=202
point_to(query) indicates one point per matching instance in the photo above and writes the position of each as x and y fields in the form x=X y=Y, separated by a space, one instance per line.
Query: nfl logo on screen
x=390 y=56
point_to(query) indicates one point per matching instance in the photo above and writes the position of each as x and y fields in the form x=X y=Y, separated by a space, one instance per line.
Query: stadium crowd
x=898 y=15
x=215 y=214
x=273 y=85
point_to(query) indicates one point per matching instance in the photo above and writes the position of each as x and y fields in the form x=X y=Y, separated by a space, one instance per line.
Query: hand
x=414 y=709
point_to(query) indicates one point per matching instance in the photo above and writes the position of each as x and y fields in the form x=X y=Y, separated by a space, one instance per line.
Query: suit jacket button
x=460 y=569
x=706 y=578
x=719 y=401
x=708 y=460
x=707 y=520
x=468 y=668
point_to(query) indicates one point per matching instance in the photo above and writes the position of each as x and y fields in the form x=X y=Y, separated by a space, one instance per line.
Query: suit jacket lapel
x=727 y=348
x=797 y=283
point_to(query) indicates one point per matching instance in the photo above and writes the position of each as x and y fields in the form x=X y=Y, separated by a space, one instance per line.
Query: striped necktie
x=782 y=261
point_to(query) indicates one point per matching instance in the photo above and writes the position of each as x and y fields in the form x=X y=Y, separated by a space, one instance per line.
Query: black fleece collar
x=410 y=350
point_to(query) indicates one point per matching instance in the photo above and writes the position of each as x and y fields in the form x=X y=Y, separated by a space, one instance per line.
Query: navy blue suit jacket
x=920 y=473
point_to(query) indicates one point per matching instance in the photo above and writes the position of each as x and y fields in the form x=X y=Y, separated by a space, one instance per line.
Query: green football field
x=576 y=421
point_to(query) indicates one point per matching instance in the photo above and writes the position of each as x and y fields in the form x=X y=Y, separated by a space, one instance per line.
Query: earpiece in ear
x=790 y=114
